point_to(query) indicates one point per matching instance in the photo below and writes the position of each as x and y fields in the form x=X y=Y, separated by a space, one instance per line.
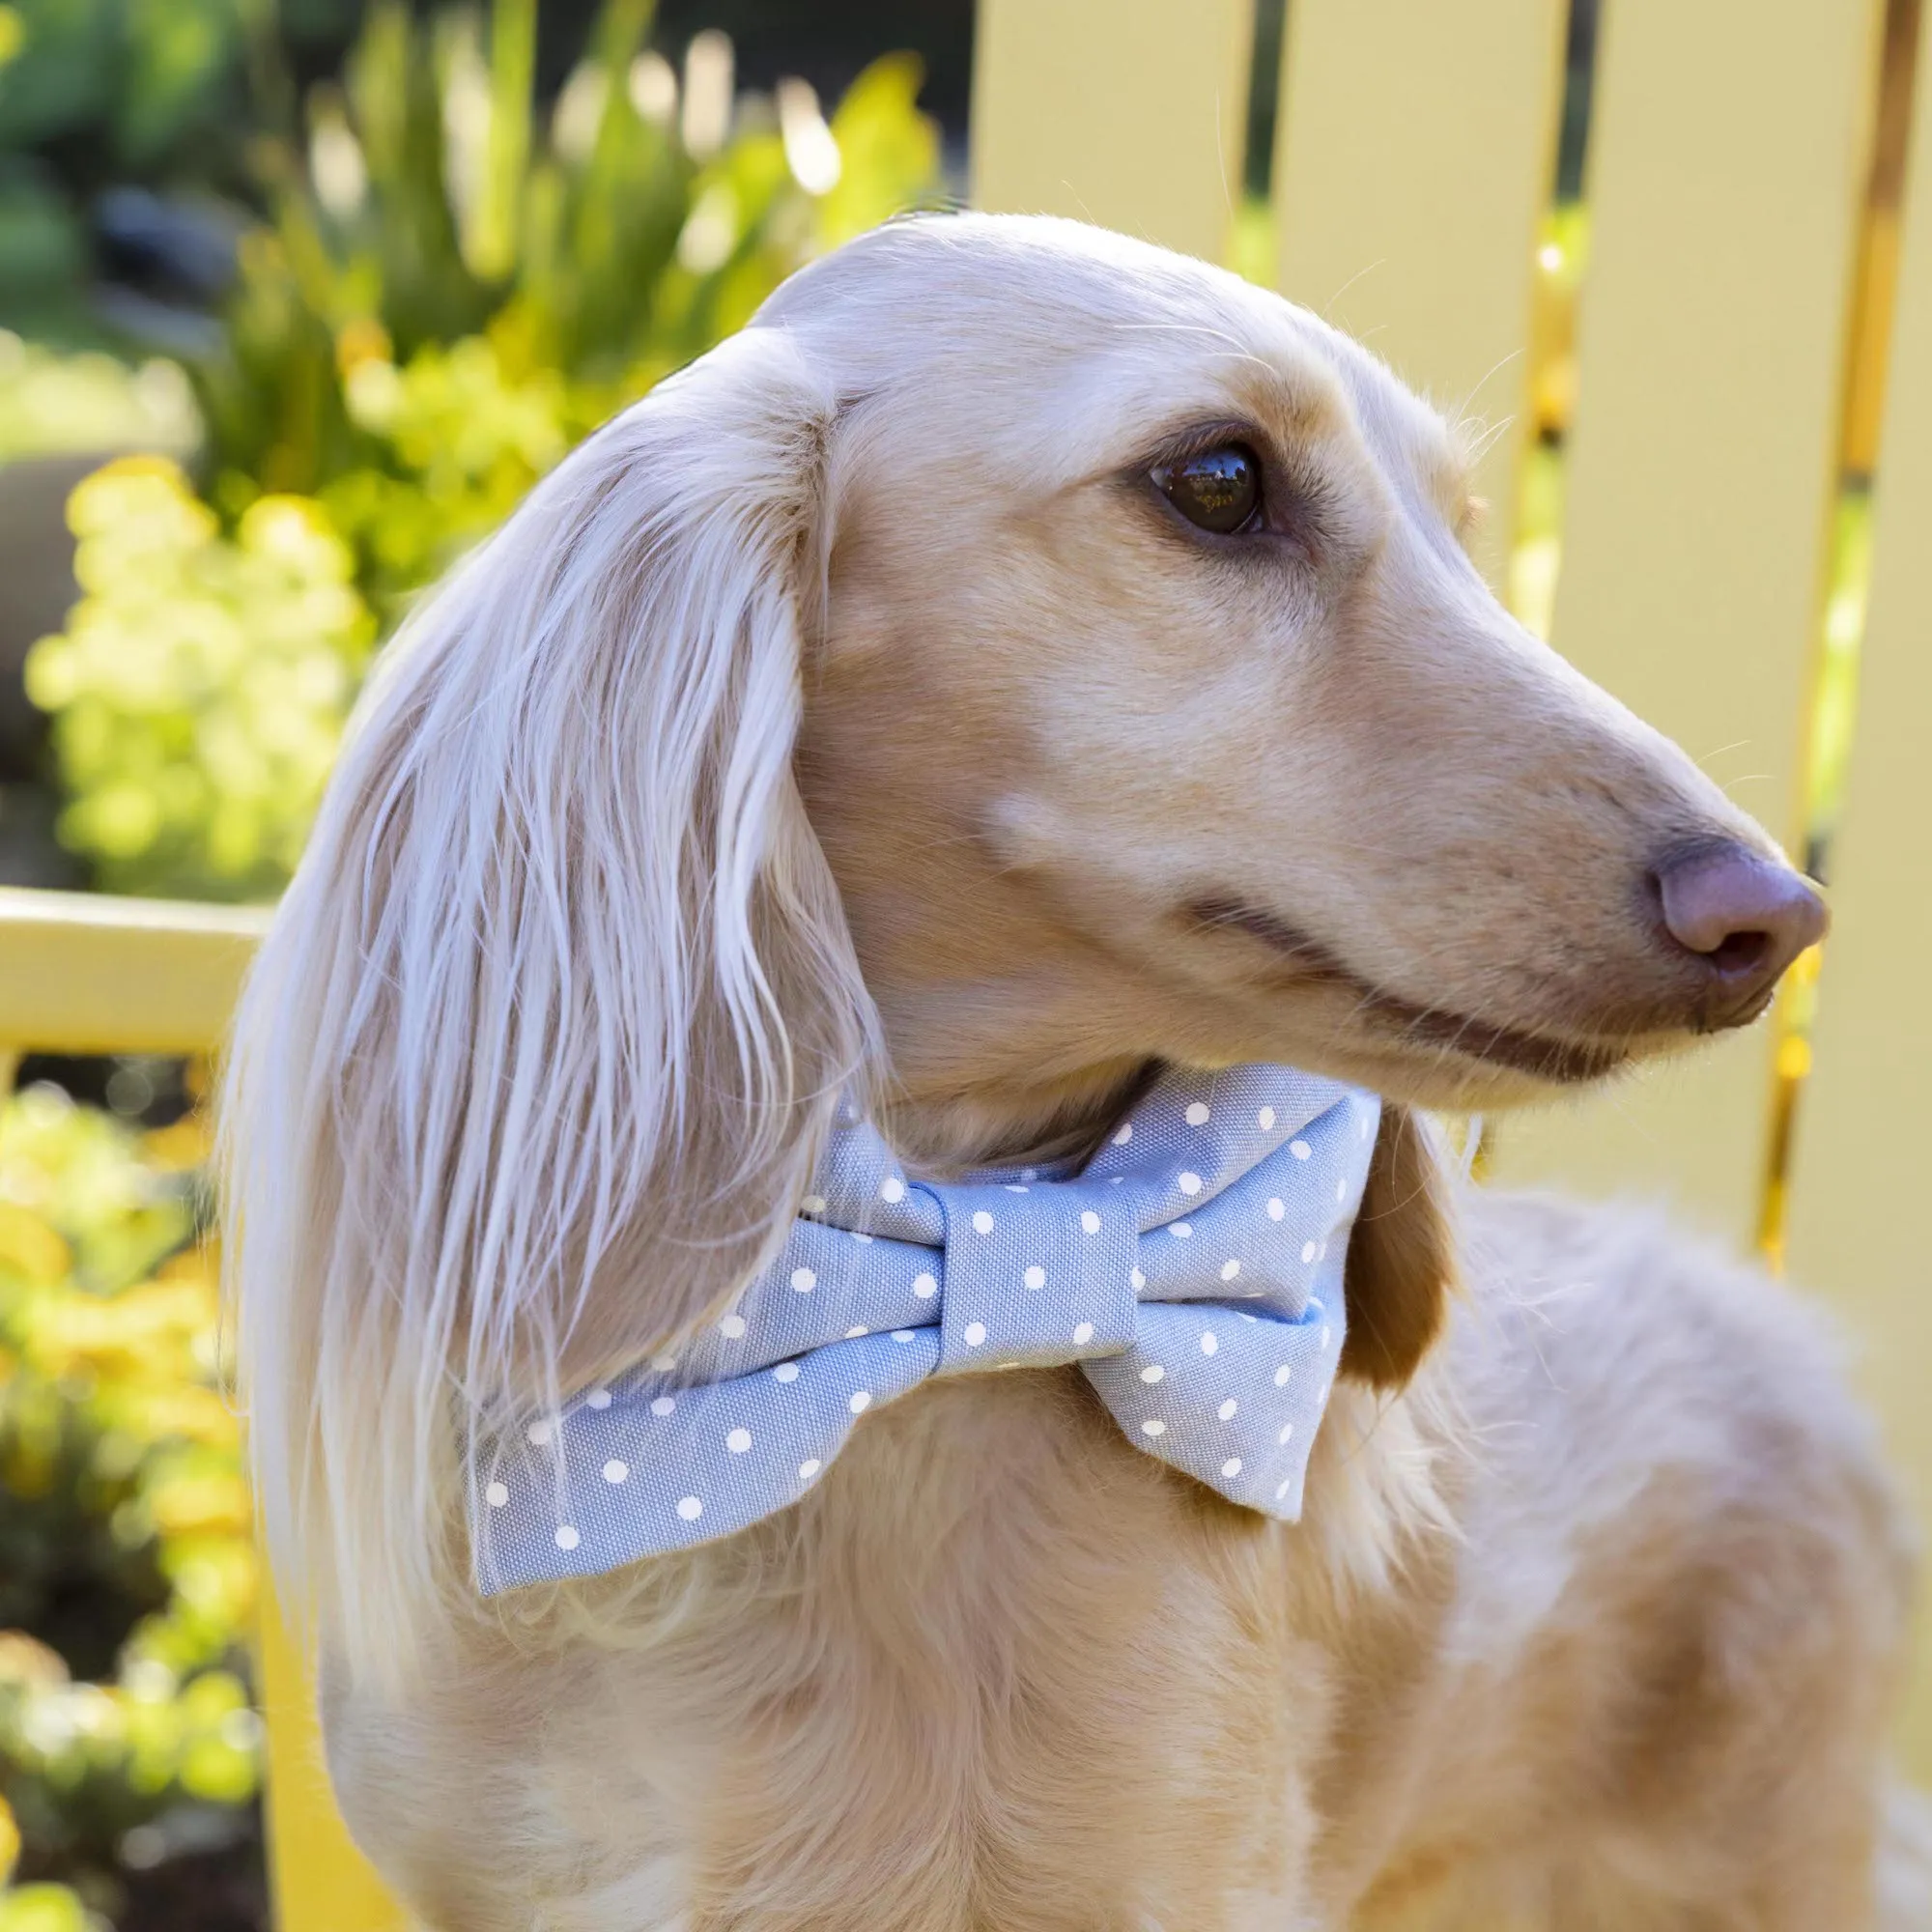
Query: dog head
x=1020 y=656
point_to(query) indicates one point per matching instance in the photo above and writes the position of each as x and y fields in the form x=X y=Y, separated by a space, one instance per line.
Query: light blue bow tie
x=1193 y=1269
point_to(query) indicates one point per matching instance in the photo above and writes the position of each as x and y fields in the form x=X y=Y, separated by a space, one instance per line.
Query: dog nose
x=1745 y=915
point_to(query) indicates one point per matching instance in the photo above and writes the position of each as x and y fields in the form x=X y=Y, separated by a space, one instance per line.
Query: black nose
x=1745 y=916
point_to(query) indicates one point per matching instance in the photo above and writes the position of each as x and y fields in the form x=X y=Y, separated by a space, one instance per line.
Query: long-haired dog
x=1019 y=660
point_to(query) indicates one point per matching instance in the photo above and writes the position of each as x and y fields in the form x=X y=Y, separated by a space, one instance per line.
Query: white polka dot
x=1154 y=1426
x=858 y=1237
x=1287 y=1430
x=1281 y=1489
x=663 y=1364
x=1084 y=1333
x=1197 y=1114
x=662 y=1405
x=861 y=1401
x=615 y=1471
x=785 y=1372
x=975 y=1333
x=808 y=1468
x=892 y=1188
x=1209 y=1341
x=1308 y=1251
x=1229 y=1268
x=804 y=1280
x=539 y=1433
x=732 y=1327
x=1013 y=1187
x=598 y=1399
x=1090 y=1222
x=1138 y=1279
x=1228 y=1409
x=1035 y=1277
x=1189 y=1182
x=853 y=1333
x=814 y=1204
x=738 y=1442
x=1265 y=1119
x=1281 y=1375
x=1179 y=1230
x=924 y=1286
x=1326 y=1335
x=1364 y=1125
x=1300 y=1149
x=1029 y=1174
x=1342 y=1188
x=496 y=1495
x=1153 y=1372
x=901 y=1334
x=1126 y=1134
x=1275 y=1209
x=690 y=1508
x=982 y=1222
x=567 y=1538
x=1232 y=1467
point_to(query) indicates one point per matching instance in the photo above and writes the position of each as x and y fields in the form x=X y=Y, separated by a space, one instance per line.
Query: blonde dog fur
x=852 y=712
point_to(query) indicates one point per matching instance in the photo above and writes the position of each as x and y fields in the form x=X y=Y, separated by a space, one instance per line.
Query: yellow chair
x=1728 y=162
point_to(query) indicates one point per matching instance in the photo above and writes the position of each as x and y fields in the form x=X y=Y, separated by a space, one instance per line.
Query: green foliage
x=122 y=1467
x=200 y=686
x=144 y=75
x=448 y=297
x=591 y=254
x=51 y=404
x=92 y=92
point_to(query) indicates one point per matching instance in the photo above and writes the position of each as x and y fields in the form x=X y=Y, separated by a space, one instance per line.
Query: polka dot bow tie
x=1193 y=1268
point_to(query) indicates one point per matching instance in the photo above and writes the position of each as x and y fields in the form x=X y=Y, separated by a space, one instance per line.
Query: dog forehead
x=1047 y=343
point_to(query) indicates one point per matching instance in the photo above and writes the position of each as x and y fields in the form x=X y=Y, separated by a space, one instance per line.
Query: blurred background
x=297 y=298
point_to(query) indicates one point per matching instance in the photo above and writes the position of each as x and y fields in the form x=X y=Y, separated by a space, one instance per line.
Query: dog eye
x=1219 y=489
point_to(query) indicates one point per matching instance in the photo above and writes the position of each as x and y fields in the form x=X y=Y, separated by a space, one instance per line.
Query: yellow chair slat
x=1130 y=115
x=1725 y=176
x=322 y=1882
x=81 y=974
x=1862 y=1139
x=1413 y=159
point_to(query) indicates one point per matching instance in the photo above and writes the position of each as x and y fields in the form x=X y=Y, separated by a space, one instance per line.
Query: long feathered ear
x=1402 y=1266
x=538 y=1057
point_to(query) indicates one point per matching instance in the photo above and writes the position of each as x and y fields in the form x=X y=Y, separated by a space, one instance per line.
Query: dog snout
x=1743 y=917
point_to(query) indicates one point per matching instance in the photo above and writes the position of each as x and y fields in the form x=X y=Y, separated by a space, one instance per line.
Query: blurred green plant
x=53 y=403
x=454 y=289
x=451 y=291
x=92 y=90
x=126 y=1539
x=199 y=689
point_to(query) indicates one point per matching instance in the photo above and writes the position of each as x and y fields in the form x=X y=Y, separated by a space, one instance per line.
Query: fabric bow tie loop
x=1193 y=1269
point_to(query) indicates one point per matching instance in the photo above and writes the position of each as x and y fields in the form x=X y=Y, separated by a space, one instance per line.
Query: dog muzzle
x=1193 y=1269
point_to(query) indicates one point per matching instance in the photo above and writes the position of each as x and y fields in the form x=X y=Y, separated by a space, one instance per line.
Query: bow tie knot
x=1038 y=1279
x=1193 y=1269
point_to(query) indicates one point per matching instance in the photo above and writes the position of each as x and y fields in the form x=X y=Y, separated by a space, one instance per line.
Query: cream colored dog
x=1021 y=657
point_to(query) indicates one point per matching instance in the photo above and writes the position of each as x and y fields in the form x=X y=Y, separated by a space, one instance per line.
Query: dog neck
x=1004 y=1124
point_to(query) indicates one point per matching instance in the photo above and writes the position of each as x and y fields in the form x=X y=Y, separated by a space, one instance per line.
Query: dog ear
x=1402 y=1264
x=540 y=1053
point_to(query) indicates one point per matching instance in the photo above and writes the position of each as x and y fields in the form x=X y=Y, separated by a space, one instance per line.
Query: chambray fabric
x=1193 y=1268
